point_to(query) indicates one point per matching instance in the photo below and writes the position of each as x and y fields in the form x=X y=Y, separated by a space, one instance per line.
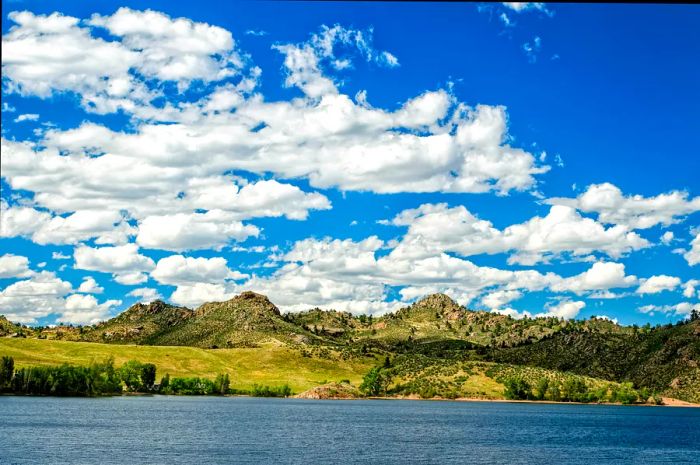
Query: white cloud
x=14 y=266
x=693 y=255
x=193 y=295
x=682 y=308
x=179 y=270
x=689 y=288
x=657 y=284
x=601 y=276
x=532 y=49
x=525 y=6
x=59 y=256
x=131 y=279
x=44 y=54
x=90 y=286
x=436 y=228
x=211 y=230
x=37 y=297
x=124 y=262
x=26 y=117
x=635 y=211
x=145 y=294
x=667 y=237
x=305 y=62
x=565 y=309
x=179 y=50
x=107 y=227
x=85 y=309
x=496 y=300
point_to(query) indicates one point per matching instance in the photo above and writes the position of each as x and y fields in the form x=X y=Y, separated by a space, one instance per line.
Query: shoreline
x=668 y=401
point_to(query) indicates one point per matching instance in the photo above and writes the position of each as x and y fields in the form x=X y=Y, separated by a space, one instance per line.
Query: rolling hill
x=435 y=329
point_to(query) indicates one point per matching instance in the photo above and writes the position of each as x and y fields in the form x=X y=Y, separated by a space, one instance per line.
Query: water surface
x=214 y=430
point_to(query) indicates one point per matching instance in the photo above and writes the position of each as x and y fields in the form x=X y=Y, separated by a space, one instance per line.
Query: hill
x=663 y=359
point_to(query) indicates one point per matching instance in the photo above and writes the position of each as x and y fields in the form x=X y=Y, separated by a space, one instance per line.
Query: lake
x=216 y=430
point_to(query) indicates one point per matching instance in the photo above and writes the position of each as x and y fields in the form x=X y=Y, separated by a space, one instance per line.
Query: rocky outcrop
x=331 y=391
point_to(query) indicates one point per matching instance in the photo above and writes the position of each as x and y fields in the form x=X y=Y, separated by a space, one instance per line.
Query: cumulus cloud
x=689 y=288
x=693 y=255
x=193 y=295
x=667 y=237
x=39 y=296
x=176 y=172
x=634 y=211
x=90 y=286
x=26 y=117
x=437 y=228
x=565 y=309
x=85 y=309
x=107 y=227
x=304 y=62
x=179 y=270
x=45 y=54
x=124 y=262
x=145 y=294
x=14 y=266
x=601 y=276
x=656 y=284
x=681 y=308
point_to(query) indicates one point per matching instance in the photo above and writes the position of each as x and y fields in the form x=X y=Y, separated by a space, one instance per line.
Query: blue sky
x=527 y=159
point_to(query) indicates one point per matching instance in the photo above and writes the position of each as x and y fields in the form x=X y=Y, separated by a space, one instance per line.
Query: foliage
x=375 y=382
x=7 y=369
x=67 y=380
x=516 y=388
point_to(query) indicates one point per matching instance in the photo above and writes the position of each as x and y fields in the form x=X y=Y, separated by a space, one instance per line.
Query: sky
x=524 y=158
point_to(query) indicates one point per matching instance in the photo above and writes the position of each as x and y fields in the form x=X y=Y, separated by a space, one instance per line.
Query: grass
x=268 y=365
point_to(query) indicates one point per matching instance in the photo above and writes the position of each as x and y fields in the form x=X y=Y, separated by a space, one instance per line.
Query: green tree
x=375 y=382
x=148 y=376
x=695 y=314
x=164 y=386
x=7 y=370
x=131 y=375
x=541 y=388
x=516 y=388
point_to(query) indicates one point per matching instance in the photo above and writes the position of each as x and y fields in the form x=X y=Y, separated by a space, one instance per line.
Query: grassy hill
x=270 y=364
x=435 y=329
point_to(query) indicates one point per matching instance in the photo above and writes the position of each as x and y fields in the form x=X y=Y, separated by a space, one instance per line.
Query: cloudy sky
x=526 y=159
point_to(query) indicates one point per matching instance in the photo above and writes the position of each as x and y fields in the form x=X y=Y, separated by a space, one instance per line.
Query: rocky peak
x=252 y=302
x=442 y=304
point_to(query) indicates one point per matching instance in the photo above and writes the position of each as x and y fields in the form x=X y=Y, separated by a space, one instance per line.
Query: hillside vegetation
x=250 y=335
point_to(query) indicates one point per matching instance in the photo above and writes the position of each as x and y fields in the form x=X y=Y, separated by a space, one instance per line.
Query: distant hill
x=140 y=324
x=664 y=359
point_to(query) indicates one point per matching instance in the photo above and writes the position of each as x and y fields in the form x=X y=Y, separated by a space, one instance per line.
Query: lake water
x=214 y=430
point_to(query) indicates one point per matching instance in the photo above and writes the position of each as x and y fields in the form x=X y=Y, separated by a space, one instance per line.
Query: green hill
x=435 y=329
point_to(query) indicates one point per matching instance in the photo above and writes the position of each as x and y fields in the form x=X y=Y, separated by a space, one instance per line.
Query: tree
x=516 y=388
x=375 y=382
x=148 y=376
x=541 y=388
x=165 y=383
x=695 y=314
x=131 y=375
x=7 y=370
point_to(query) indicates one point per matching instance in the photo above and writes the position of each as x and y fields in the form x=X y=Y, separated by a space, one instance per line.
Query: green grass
x=270 y=365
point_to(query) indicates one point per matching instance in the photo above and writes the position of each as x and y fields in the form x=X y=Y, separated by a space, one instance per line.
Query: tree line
x=574 y=390
x=105 y=379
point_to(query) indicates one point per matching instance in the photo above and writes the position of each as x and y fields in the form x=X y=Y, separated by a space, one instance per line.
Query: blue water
x=213 y=430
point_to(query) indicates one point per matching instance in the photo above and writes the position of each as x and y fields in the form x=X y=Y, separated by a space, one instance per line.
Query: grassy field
x=271 y=365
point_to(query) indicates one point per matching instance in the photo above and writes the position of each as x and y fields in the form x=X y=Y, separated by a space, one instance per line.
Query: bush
x=516 y=388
